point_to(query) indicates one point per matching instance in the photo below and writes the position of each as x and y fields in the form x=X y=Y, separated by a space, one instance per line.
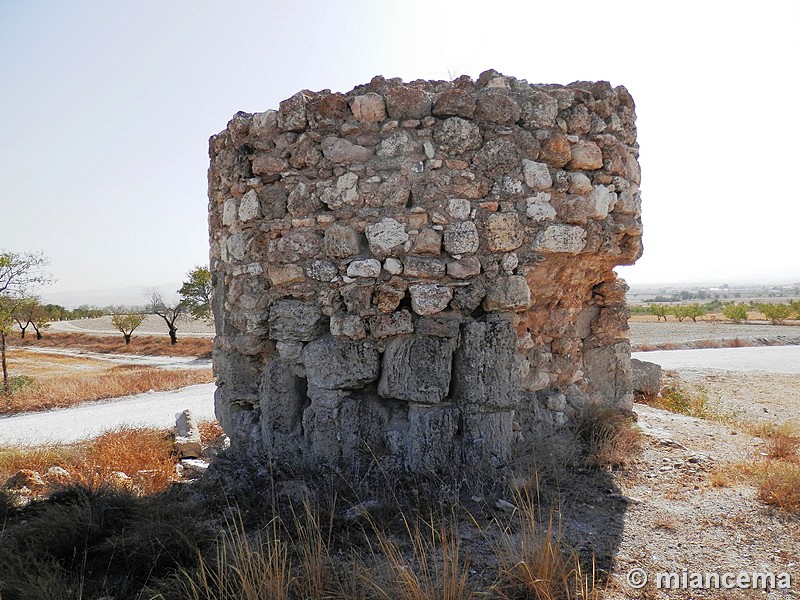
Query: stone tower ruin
x=421 y=273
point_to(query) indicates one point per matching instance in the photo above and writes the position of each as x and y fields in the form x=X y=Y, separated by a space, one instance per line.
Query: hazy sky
x=106 y=110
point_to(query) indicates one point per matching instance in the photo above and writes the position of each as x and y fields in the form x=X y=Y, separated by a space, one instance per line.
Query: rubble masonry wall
x=421 y=273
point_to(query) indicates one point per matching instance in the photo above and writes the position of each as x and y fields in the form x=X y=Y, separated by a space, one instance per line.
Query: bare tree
x=170 y=312
x=126 y=322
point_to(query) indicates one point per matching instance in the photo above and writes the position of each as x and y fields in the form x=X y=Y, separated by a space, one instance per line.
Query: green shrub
x=735 y=312
x=660 y=311
x=776 y=313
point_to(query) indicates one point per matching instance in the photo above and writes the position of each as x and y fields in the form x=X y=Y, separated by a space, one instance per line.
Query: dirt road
x=769 y=359
x=64 y=426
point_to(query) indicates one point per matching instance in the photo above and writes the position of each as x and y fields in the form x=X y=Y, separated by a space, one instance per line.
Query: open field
x=152 y=325
x=648 y=334
x=140 y=344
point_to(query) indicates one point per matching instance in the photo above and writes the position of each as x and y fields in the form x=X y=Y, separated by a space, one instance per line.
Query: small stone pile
x=421 y=273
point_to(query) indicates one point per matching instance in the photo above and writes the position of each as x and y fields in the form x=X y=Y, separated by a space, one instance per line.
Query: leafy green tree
x=694 y=311
x=196 y=293
x=19 y=273
x=735 y=312
x=680 y=312
x=660 y=311
x=40 y=320
x=170 y=312
x=126 y=322
x=796 y=308
x=23 y=313
x=775 y=313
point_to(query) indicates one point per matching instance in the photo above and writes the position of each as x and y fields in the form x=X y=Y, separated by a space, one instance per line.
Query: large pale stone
x=187 y=435
x=368 y=108
x=539 y=207
x=423 y=266
x=341 y=241
x=586 y=156
x=645 y=378
x=280 y=275
x=292 y=113
x=347 y=325
x=483 y=366
x=467 y=267
x=508 y=293
x=461 y=238
x=340 y=364
x=295 y=321
x=537 y=175
x=229 y=212
x=341 y=151
x=386 y=235
x=429 y=298
x=459 y=208
x=456 y=136
x=569 y=239
x=416 y=369
x=601 y=202
x=364 y=268
x=249 y=207
x=503 y=232
x=343 y=193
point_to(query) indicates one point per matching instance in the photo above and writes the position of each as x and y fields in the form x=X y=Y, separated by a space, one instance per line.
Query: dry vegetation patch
x=44 y=381
x=147 y=345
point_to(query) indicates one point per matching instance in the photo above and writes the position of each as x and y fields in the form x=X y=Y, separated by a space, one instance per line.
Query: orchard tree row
x=776 y=313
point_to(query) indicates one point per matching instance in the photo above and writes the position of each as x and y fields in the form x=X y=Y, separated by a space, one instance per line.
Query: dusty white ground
x=765 y=359
x=152 y=325
x=64 y=426
x=162 y=362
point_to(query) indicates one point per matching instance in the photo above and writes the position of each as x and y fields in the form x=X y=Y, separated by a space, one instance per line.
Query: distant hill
x=133 y=295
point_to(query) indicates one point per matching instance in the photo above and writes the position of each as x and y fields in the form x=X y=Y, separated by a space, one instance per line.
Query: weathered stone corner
x=421 y=273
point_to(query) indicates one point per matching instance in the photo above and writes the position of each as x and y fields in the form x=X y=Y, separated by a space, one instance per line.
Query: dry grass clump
x=779 y=485
x=68 y=389
x=537 y=565
x=692 y=402
x=140 y=460
x=775 y=471
x=148 y=345
x=611 y=436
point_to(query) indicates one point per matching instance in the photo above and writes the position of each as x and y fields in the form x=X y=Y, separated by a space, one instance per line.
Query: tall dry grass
x=64 y=390
x=145 y=456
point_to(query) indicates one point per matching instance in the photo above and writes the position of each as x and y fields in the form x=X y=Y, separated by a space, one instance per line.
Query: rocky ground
x=681 y=504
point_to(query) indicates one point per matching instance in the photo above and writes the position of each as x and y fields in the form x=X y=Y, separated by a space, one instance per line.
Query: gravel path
x=68 y=425
x=162 y=362
x=769 y=359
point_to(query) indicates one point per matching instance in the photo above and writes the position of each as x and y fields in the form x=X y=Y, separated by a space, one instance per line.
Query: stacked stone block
x=421 y=273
